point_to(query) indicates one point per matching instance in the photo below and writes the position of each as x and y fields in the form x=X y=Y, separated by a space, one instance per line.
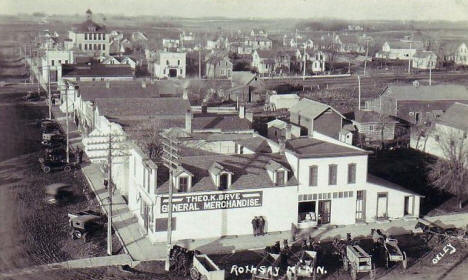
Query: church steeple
x=89 y=14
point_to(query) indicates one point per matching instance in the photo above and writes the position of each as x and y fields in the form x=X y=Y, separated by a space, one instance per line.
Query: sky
x=451 y=10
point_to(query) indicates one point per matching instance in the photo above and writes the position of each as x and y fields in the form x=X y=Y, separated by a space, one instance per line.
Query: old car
x=53 y=141
x=58 y=193
x=86 y=223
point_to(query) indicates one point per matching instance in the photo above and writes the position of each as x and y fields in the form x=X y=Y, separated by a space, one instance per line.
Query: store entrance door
x=324 y=209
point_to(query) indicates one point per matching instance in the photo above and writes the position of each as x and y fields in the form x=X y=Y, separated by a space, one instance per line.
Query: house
x=449 y=130
x=297 y=41
x=138 y=36
x=399 y=49
x=51 y=60
x=456 y=52
x=417 y=104
x=314 y=116
x=258 y=43
x=168 y=65
x=217 y=42
x=373 y=127
x=283 y=101
x=424 y=60
x=263 y=61
x=317 y=59
x=278 y=129
x=218 y=65
x=258 y=32
x=245 y=87
x=351 y=43
x=90 y=37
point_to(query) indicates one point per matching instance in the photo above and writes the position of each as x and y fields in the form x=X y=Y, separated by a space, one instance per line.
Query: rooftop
x=455 y=116
x=117 y=89
x=248 y=171
x=311 y=147
x=427 y=93
x=97 y=70
x=311 y=108
x=89 y=26
x=117 y=107
x=368 y=117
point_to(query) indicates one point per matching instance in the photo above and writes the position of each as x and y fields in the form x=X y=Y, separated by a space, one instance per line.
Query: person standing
x=261 y=225
x=255 y=225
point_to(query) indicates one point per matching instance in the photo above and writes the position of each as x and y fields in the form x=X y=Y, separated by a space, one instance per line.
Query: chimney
x=107 y=84
x=143 y=84
x=282 y=145
x=288 y=132
x=188 y=121
x=185 y=94
x=242 y=111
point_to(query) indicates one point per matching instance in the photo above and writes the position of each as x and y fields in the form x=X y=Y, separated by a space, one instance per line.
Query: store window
x=351 y=173
x=313 y=172
x=332 y=174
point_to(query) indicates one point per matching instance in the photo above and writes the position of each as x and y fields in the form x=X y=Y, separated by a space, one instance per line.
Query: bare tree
x=148 y=138
x=450 y=173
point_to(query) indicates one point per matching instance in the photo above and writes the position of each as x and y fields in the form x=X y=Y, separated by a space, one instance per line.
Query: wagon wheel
x=194 y=274
x=76 y=234
x=345 y=264
x=46 y=169
x=353 y=273
x=204 y=277
x=404 y=263
x=67 y=168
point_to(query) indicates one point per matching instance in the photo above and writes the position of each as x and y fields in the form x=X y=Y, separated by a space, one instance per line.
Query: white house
x=169 y=65
x=424 y=60
x=450 y=129
x=51 y=59
x=399 y=49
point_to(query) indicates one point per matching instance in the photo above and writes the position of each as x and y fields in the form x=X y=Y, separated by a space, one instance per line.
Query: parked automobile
x=58 y=193
x=86 y=223
x=53 y=141
x=32 y=96
x=48 y=165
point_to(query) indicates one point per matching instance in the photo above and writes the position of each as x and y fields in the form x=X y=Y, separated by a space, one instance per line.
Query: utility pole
x=367 y=53
x=109 y=193
x=171 y=161
x=199 y=64
x=409 y=60
x=305 y=63
x=359 y=93
x=430 y=73
x=66 y=116
x=50 y=95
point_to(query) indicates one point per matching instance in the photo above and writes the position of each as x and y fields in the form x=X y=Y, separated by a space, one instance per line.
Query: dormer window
x=222 y=178
x=183 y=184
x=183 y=179
x=278 y=173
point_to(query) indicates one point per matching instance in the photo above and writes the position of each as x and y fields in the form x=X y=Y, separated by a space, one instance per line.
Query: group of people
x=258 y=225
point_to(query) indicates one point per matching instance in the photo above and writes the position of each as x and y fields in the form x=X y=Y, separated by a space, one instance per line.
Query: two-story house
x=218 y=65
x=168 y=65
x=424 y=60
x=399 y=49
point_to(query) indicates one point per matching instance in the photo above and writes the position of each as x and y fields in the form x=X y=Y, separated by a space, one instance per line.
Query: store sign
x=189 y=203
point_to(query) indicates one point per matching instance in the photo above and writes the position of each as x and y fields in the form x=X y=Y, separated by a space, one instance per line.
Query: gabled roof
x=116 y=107
x=305 y=147
x=242 y=78
x=455 y=116
x=266 y=53
x=369 y=117
x=402 y=44
x=384 y=183
x=89 y=24
x=312 y=109
x=222 y=122
x=273 y=166
x=216 y=168
x=277 y=123
x=255 y=144
x=427 y=93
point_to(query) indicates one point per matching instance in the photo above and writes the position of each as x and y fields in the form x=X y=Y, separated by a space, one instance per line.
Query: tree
x=450 y=173
x=148 y=138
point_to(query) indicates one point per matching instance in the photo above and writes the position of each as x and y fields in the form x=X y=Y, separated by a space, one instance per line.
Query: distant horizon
x=347 y=10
